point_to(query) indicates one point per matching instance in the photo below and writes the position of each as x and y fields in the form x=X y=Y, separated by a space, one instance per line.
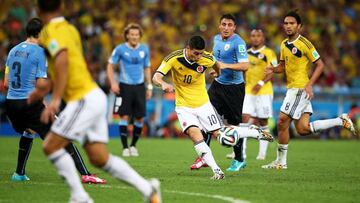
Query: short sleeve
x=312 y=54
x=241 y=51
x=164 y=67
x=42 y=65
x=115 y=56
x=147 y=57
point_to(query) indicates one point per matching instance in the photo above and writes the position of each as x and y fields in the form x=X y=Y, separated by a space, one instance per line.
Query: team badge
x=200 y=69
x=261 y=56
x=227 y=47
x=142 y=54
x=294 y=50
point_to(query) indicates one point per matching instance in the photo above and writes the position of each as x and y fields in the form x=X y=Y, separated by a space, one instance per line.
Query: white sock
x=244 y=148
x=282 y=153
x=320 y=125
x=121 y=170
x=203 y=150
x=66 y=169
x=263 y=144
x=244 y=131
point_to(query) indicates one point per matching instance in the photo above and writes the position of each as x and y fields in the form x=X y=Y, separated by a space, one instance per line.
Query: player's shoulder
x=217 y=37
x=268 y=50
x=174 y=55
x=284 y=41
x=208 y=56
x=305 y=42
x=237 y=38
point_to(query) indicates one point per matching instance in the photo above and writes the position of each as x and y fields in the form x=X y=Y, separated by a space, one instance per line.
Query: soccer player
x=134 y=60
x=258 y=89
x=228 y=90
x=84 y=117
x=193 y=108
x=296 y=53
x=25 y=68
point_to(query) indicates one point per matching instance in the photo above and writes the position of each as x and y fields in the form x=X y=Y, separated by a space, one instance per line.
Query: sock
x=66 y=168
x=244 y=131
x=263 y=144
x=244 y=148
x=205 y=153
x=320 y=125
x=121 y=170
x=25 y=145
x=207 y=137
x=282 y=153
x=136 y=133
x=238 y=150
x=79 y=162
x=123 y=124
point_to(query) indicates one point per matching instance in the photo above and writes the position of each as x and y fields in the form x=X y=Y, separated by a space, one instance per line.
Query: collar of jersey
x=57 y=19
x=257 y=51
x=130 y=47
x=228 y=39
x=187 y=59
x=294 y=40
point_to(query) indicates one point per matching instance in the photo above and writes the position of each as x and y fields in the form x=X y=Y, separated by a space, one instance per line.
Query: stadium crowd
x=333 y=26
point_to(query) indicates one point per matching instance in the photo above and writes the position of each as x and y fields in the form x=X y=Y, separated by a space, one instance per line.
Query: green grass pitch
x=319 y=171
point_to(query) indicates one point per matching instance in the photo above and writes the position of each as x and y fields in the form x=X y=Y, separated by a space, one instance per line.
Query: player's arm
x=110 y=74
x=149 y=86
x=241 y=66
x=59 y=83
x=280 y=68
x=319 y=67
x=158 y=80
x=6 y=78
x=42 y=88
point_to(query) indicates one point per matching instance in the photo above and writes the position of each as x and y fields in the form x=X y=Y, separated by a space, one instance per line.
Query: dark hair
x=49 y=5
x=196 y=42
x=295 y=15
x=132 y=26
x=228 y=16
x=33 y=27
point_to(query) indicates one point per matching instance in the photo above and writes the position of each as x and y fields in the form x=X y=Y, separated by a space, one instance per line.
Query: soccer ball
x=228 y=136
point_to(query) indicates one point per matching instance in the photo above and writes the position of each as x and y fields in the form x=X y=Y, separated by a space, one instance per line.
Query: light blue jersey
x=232 y=50
x=132 y=62
x=26 y=62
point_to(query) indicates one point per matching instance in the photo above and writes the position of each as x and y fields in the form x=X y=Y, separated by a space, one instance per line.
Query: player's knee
x=47 y=148
x=98 y=161
x=303 y=131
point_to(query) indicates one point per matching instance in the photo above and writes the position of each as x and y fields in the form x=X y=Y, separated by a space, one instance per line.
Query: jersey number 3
x=17 y=67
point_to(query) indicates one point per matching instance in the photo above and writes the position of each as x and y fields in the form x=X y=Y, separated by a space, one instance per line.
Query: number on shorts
x=287 y=106
x=212 y=119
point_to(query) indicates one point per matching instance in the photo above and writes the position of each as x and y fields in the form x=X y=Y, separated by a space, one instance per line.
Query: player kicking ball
x=193 y=108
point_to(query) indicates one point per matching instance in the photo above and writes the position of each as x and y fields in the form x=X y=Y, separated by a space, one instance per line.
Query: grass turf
x=319 y=171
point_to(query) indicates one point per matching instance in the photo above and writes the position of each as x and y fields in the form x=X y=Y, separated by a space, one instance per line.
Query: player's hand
x=269 y=70
x=115 y=88
x=213 y=74
x=50 y=111
x=309 y=92
x=167 y=87
x=256 y=89
x=35 y=96
x=148 y=94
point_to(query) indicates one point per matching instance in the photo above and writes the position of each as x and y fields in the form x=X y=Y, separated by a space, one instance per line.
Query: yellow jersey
x=297 y=56
x=188 y=77
x=59 y=35
x=259 y=60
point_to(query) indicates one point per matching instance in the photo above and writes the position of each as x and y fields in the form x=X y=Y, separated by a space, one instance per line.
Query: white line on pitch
x=219 y=197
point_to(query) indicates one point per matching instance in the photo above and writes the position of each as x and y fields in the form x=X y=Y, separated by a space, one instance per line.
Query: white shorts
x=258 y=106
x=84 y=120
x=295 y=103
x=204 y=117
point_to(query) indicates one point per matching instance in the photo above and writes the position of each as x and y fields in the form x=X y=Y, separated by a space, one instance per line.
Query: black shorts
x=228 y=100
x=133 y=100
x=23 y=116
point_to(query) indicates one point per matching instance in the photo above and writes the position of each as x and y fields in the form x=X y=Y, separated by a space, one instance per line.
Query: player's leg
x=341 y=121
x=204 y=117
x=293 y=107
x=125 y=110
x=139 y=110
x=53 y=146
x=263 y=144
x=263 y=112
x=25 y=144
